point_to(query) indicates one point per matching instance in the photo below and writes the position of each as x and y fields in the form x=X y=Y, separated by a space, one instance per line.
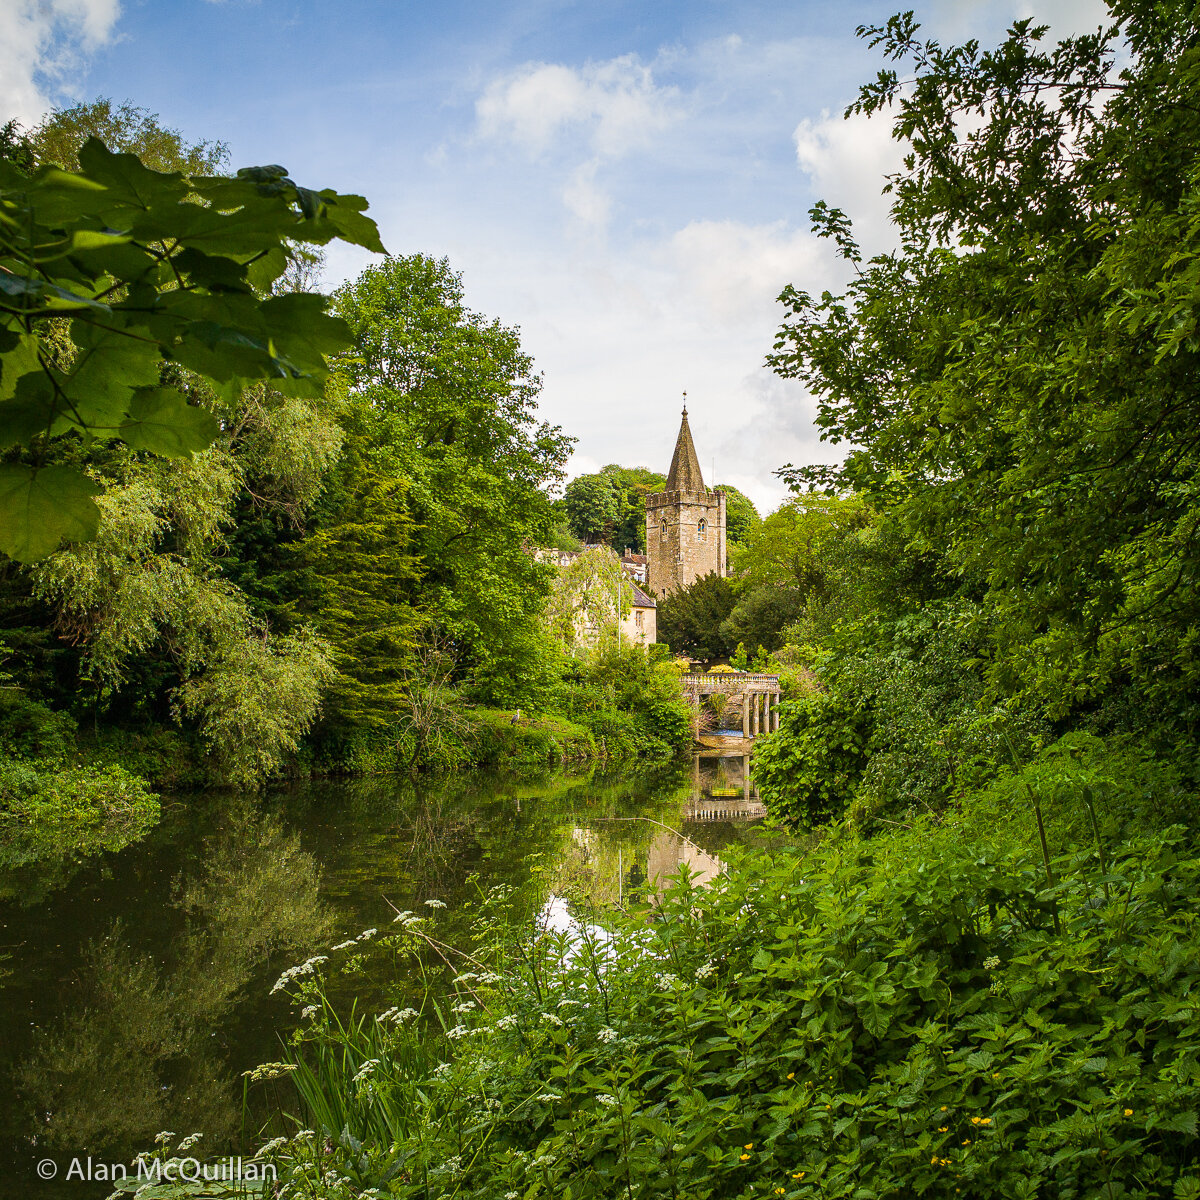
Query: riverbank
x=162 y=957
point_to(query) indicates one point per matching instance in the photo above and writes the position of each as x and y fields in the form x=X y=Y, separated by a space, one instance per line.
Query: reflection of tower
x=685 y=524
x=669 y=851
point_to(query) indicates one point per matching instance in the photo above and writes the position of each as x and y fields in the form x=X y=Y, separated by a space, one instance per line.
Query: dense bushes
x=891 y=1017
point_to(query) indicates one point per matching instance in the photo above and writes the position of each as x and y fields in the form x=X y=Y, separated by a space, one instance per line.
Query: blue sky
x=627 y=182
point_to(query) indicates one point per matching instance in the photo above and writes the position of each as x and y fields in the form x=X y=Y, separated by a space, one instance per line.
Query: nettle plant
x=888 y=1019
x=113 y=276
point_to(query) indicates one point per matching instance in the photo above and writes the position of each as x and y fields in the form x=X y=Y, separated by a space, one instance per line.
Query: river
x=135 y=986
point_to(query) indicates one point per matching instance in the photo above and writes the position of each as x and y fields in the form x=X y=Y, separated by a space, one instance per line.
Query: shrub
x=888 y=1018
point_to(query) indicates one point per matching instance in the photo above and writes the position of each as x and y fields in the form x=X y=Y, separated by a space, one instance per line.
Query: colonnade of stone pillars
x=760 y=713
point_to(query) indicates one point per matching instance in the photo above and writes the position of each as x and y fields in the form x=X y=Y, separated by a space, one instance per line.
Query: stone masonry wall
x=683 y=556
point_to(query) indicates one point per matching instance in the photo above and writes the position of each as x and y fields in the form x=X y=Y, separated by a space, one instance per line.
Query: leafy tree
x=741 y=517
x=591 y=506
x=691 y=620
x=154 y=626
x=1017 y=382
x=360 y=593
x=126 y=129
x=583 y=604
x=451 y=399
x=610 y=506
x=151 y=270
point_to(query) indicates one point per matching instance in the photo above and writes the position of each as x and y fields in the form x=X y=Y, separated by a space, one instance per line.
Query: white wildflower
x=365 y=1070
x=436 y=903
x=507 y=1022
x=188 y=1142
x=441 y=1071
x=459 y=1031
x=552 y=1019
x=405 y=1014
x=548 y=1098
x=270 y=1147
x=366 y=935
x=405 y=916
x=463 y=1006
x=307 y=1011
x=608 y=1035
x=990 y=964
x=705 y=971
x=161 y=1139
x=345 y=945
x=607 y=1100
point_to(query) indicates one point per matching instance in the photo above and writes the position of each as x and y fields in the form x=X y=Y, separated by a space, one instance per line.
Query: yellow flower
x=944 y=1109
x=985 y=1120
x=748 y=1146
x=995 y=1074
x=792 y=1075
x=779 y=1191
x=798 y=1175
x=966 y=1141
x=943 y=1129
x=744 y=1157
x=1129 y=1112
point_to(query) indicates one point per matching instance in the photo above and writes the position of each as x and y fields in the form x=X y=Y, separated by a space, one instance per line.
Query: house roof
x=640 y=599
x=684 y=475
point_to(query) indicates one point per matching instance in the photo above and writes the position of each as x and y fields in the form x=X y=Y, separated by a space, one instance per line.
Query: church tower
x=685 y=525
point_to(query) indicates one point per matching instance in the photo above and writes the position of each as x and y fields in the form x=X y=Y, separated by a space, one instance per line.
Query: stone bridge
x=759 y=696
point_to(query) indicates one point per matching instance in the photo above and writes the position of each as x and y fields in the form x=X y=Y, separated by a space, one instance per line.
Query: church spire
x=684 y=475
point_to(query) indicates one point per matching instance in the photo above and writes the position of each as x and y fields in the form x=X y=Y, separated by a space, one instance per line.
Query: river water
x=135 y=987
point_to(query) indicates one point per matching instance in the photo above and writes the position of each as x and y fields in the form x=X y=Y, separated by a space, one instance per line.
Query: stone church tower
x=685 y=525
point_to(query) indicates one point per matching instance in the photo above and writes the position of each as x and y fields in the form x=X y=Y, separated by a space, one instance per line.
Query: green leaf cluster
x=144 y=270
x=892 y=1017
x=1015 y=383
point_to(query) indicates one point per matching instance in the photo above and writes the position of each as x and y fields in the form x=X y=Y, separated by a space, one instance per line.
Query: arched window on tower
x=662 y=531
x=702 y=530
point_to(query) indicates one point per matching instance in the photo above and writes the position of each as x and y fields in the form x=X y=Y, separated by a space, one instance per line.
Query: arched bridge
x=759 y=696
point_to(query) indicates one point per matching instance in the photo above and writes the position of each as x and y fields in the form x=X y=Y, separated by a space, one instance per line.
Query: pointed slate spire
x=684 y=475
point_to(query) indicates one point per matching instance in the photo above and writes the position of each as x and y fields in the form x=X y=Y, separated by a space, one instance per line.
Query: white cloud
x=738 y=270
x=612 y=107
x=43 y=42
x=846 y=159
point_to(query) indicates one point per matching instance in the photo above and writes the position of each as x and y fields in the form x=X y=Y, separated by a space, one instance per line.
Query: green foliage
x=126 y=128
x=149 y=268
x=50 y=813
x=902 y=722
x=610 y=506
x=631 y=705
x=582 y=609
x=591 y=507
x=452 y=404
x=1016 y=382
x=741 y=517
x=809 y=769
x=896 y=1017
x=362 y=570
x=692 y=619
x=254 y=705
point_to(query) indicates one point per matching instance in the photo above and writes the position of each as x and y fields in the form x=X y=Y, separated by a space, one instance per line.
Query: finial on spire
x=685 y=404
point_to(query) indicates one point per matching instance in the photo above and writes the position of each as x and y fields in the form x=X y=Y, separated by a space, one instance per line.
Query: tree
x=451 y=402
x=1017 y=382
x=741 y=517
x=690 y=620
x=149 y=270
x=591 y=595
x=149 y=610
x=591 y=506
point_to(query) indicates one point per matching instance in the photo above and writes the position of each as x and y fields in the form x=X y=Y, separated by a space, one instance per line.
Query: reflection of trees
x=138 y=1055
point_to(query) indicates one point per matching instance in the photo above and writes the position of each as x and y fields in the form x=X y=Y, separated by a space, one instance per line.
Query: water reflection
x=138 y=1049
x=137 y=995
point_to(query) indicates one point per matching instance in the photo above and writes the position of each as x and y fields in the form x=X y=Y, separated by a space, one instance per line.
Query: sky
x=626 y=182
